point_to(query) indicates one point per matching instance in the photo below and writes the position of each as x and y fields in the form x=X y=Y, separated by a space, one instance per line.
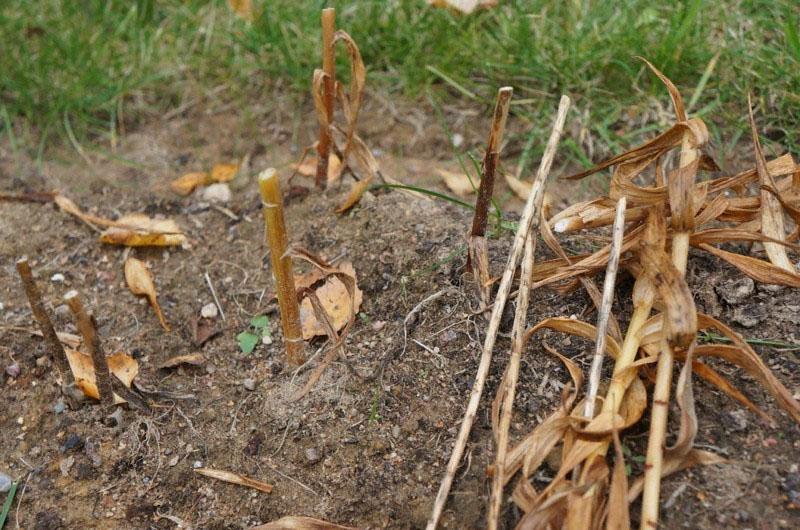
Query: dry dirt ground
x=365 y=449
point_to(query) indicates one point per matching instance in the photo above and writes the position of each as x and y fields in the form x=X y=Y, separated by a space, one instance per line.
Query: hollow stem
x=92 y=346
x=329 y=67
x=54 y=346
x=281 y=266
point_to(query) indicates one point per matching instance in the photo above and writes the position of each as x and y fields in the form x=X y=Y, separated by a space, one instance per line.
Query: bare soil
x=365 y=449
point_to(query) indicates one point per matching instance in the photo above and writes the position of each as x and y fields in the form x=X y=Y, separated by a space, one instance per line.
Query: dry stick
x=683 y=226
x=605 y=308
x=281 y=265
x=91 y=344
x=56 y=349
x=329 y=67
x=478 y=255
x=530 y=218
x=509 y=390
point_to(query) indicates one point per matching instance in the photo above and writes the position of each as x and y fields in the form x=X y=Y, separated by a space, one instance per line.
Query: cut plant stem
x=508 y=390
x=329 y=83
x=530 y=218
x=682 y=221
x=281 y=265
x=478 y=257
x=92 y=346
x=605 y=307
x=54 y=346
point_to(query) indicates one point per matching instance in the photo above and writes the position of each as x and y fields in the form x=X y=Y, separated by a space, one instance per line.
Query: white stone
x=57 y=278
x=209 y=311
x=220 y=192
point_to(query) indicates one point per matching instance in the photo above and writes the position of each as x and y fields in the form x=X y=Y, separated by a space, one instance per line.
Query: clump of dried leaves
x=673 y=211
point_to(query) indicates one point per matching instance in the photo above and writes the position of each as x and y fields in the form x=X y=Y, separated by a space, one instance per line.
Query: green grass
x=83 y=66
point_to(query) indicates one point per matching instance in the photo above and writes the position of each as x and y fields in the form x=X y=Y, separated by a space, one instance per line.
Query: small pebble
x=66 y=464
x=62 y=311
x=209 y=311
x=197 y=464
x=458 y=140
x=312 y=455
x=60 y=406
x=173 y=461
x=57 y=278
x=220 y=192
x=5 y=482
x=249 y=384
x=13 y=370
x=396 y=431
x=266 y=339
x=73 y=442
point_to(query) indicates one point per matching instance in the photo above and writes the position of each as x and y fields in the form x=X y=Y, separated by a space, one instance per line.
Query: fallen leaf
x=234 y=478
x=121 y=365
x=308 y=167
x=138 y=230
x=203 y=330
x=336 y=301
x=195 y=359
x=189 y=182
x=355 y=194
x=300 y=523
x=224 y=172
x=458 y=183
x=140 y=282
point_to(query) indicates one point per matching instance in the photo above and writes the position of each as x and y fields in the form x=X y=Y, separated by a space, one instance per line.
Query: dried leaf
x=140 y=282
x=301 y=523
x=759 y=270
x=195 y=359
x=189 y=182
x=673 y=463
x=224 y=172
x=234 y=478
x=121 y=365
x=138 y=230
x=458 y=183
x=335 y=299
x=355 y=194
x=618 y=515
x=308 y=167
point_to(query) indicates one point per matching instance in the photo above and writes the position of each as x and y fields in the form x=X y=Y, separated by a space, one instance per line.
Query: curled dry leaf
x=224 y=172
x=121 y=365
x=189 y=182
x=335 y=299
x=301 y=523
x=458 y=183
x=195 y=359
x=138 y=230
x=140 y=282
x=308 y=167
x=234 y=478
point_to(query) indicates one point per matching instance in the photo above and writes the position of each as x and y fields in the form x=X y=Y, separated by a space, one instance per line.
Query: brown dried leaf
x=234 y=478
x=618 y=515
x=673 y=463
x=759 y=270
x=355 y=194
x=224 y=172
x=140 y=282
x=189 y=182
x=138 y=230
x=195 y=359
x=121 y=365
x=301 y=523
x=459 y=183
x=335 y=299
x=308 y=167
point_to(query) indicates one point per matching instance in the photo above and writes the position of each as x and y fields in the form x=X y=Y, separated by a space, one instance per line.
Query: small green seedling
x=258 y=331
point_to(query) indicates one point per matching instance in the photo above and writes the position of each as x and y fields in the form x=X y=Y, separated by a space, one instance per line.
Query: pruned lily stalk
x=478 y=256
x=282 y=266
x=328 y=95
x=663 y=220
x=92 y=346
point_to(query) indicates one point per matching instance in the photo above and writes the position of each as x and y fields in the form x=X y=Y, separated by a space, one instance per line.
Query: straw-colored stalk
x=478 y=257
x=683 y=226
x=281 y=265
x=92 y=346
x=328 y=97
x=530 y=219
x=618 y=231
x=54 y=346
x=510 y=382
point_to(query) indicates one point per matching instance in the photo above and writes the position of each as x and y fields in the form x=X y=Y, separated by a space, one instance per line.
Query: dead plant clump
x=658 y=209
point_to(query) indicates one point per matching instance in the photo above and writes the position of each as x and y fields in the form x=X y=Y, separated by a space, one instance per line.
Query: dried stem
x=329 y=83
x=91 y=345
x=605 y=308
x=530 y=218
x=510 y=383
x=54 y=346
x=493 y=146
x=683 y=227
x=281 y=265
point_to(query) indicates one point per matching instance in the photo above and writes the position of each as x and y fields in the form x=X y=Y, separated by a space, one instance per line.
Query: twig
x=281 y=265
x=214 y=294
x=605 y=308
x=56 y=349
x=329 y=82
x=530 y=218
x=91 y=343
x=509 y=386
